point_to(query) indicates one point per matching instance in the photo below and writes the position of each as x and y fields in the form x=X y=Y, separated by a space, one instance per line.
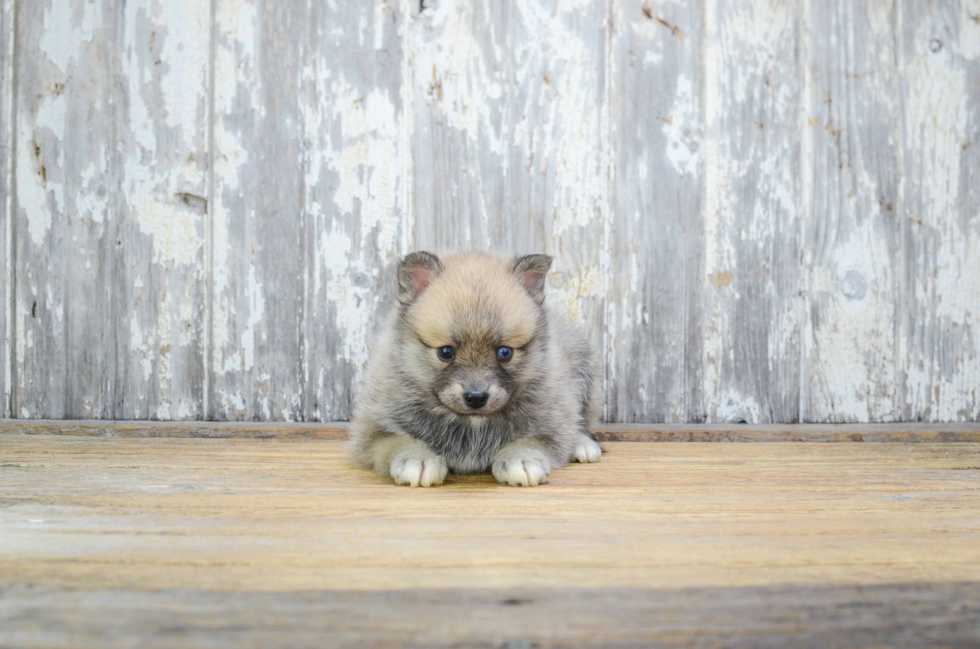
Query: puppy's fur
x=412 y=420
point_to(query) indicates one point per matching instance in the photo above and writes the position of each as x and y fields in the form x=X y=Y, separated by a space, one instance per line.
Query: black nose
x=475 y=399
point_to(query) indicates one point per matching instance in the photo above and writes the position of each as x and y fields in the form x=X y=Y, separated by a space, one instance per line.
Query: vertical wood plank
x=654 y=321
x=259 y=230
x=462 y=126
x=159 y=279
x=65 y=343
x=111 y=174
x=355 y=162
x=511 y=138
x=852 y=251
x=7 y=43
x=751 y=211
x=940 y=312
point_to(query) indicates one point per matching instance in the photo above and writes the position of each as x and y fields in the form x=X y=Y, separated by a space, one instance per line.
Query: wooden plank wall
x=6 y=187
x=764 y=212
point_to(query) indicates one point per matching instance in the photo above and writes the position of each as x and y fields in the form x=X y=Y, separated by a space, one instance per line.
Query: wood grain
x=222 y=541
x=654 y=318
x=67 y=172
x=357 y=189
x=762 y=212
x=268 y=515
x=940 y=50
x=200 y=429
x=310 y=201
x=752 y=211
x=852 y=231
x=7 y=41
x=160 y=212
x=808 y=617
x=259 y=232
x=901 y=433
x=111 y=179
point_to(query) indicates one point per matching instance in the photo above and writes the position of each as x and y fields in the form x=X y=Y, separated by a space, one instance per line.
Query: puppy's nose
x=476 y=399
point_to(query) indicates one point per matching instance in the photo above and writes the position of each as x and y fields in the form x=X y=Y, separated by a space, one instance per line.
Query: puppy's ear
x=531 y=271
x=415 y=272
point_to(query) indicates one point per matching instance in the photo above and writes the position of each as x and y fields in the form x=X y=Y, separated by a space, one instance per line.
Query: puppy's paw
x=526 y=467
x=587 y=450
x=417 y=468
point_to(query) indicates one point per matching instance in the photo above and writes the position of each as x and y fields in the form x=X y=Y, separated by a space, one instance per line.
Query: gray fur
x=552 y=400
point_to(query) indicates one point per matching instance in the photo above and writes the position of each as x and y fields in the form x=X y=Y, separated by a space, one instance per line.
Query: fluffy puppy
x=472 y=373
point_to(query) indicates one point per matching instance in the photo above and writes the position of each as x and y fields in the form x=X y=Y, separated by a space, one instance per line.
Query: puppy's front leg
x=522 y=464
x=408 y=461
x=586 y=449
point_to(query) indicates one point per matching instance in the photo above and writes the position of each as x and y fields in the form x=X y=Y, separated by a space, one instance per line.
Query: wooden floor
x=119 y=542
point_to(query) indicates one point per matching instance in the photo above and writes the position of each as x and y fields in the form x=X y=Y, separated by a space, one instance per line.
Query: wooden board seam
x=895 y=433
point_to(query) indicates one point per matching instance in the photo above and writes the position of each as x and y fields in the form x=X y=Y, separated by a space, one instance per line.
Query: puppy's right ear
x=415 y=272
x=531 y=271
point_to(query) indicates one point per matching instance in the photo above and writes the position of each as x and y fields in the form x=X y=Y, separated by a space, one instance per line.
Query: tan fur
x=411 y=420
x=472 y=283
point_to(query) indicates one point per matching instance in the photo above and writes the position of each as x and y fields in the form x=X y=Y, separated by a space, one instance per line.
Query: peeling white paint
x=751 y=209
x=357 y=200
x=365 y=162
x=67 y=24
x=234 y=402
x=943 y=373
x=161 y=96
x=735 y=408
x=968 y=44
x=139 y=346
x=256 y=311
x=571 y=290
x=855 y=338
x=458 y=76
x=848 y=360
x=936 y=118
x=718 y=212
x=162 y=356
x=154 y=178
x=683 y=129
x=235 y=80
x=7 y=137
x=531 y=124
x=354 y=306
x=236 y=25
x=231 y=162
x=569 y=105
x=34 y=184
x=184 y=32
x=651 y=57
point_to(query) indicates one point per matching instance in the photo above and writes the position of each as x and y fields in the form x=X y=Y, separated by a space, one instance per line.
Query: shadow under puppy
x=472 y=373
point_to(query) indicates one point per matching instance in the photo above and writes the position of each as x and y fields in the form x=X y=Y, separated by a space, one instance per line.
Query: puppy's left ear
x=531 y=271
x=415 y=272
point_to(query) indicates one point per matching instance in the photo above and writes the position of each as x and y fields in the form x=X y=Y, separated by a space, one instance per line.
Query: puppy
x=472 y=373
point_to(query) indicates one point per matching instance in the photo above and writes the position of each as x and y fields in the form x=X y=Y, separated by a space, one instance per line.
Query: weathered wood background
x=765 y=211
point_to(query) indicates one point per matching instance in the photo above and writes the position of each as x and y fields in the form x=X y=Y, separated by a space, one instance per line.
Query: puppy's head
x=473 y=327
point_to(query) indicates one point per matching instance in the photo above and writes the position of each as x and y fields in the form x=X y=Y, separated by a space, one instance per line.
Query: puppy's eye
x=446 y=353
x=504 y=354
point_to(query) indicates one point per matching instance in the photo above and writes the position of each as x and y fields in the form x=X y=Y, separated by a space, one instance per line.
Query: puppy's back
x=573 y=341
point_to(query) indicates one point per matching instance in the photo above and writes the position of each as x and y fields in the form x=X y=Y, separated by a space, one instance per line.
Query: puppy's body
x=421 y=413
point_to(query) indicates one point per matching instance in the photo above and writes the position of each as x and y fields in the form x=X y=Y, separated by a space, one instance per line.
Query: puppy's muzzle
x=476 y=399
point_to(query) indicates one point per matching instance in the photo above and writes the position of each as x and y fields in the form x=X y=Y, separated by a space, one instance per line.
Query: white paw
x=418 y=469
x=526 y=467
x=587 y=450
